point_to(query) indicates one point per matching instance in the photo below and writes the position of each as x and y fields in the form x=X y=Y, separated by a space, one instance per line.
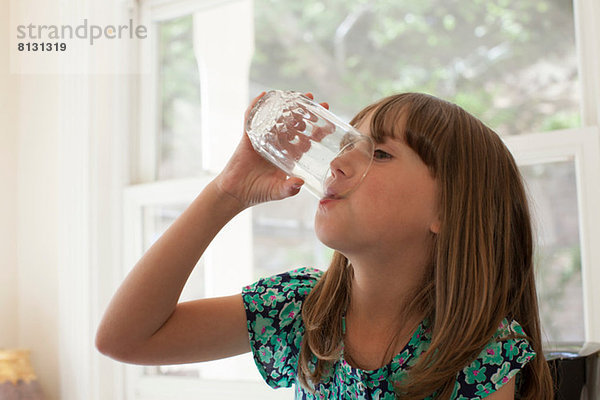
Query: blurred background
x=102 y=153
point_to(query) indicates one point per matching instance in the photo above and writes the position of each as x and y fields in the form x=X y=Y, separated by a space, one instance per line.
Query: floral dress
x=273 y=310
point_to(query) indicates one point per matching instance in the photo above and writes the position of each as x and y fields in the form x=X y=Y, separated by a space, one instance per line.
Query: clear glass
x=179 y=146
x=512 y=63
x=305 y=140
x=553 y=192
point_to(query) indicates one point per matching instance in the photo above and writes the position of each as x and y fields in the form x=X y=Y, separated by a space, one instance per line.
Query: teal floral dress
x=273 y=310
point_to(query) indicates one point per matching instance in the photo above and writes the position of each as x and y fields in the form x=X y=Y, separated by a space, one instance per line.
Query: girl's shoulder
x=302 y=279
x=509 y=345
x=278 y=291
x=304 y=273
x=505 y=355
x=509 y=328
x=274 y=320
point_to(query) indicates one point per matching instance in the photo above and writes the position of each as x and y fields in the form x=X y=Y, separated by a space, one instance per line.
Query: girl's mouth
x=329 y=197
x=326 y=200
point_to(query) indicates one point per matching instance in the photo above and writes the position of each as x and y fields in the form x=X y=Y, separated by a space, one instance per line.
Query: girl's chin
x=333 y=234
x=332 y=241
x=326 y=239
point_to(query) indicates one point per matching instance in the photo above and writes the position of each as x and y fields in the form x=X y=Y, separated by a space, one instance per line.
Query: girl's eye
x=381 y=155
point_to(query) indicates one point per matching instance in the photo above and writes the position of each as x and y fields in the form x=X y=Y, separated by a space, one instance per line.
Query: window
x=511 y=63
x=553 y=189
x=190 y=110
x=515 y=64
x=561 y=169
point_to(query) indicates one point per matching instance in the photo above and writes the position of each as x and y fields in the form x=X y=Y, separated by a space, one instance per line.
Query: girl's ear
x=435 y=226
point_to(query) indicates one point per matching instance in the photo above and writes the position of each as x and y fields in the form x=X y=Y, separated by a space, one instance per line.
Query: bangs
x=387 y=118
x=417 y=119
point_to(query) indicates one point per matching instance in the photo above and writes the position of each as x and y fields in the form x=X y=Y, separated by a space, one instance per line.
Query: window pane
x=284 y=238
x=179 y=134
x=553 y=189
x=512 y=62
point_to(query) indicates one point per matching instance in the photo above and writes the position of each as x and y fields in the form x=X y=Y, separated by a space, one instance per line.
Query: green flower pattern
x=273 y=311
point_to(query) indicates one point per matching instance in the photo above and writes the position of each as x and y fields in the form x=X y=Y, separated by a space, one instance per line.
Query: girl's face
x=393 y=209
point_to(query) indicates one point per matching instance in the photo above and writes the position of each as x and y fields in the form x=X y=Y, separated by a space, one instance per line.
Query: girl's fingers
x=252 y=104
x=310 y=96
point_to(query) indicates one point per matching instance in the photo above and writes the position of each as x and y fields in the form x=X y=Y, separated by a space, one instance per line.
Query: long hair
x=481 y=268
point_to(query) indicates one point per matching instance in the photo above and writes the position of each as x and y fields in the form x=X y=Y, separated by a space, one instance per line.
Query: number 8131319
x=42 y=46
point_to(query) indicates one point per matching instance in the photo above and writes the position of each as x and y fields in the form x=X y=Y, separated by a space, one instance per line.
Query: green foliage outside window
x=510 y=62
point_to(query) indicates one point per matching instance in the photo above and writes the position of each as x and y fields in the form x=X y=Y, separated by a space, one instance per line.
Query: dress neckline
x=407 y=352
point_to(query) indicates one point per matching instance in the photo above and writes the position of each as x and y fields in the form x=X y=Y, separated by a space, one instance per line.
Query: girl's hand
x=251 y=179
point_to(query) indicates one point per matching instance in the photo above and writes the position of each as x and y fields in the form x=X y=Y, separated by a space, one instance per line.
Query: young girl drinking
x=430 y=293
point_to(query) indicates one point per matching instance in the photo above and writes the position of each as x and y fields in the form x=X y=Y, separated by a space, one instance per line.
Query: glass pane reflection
x=553 y=189
x=179 y=134
x=512 y=63
x=284 y=238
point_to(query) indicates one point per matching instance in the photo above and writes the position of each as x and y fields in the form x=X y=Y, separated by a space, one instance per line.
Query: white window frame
x=224 y=98
x=582 y=145
x=218 y=110
x=223 y=281
x=587 y=31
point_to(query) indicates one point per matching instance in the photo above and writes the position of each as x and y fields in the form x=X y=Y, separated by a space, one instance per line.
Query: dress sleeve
x=274 y=320
x=502 y=359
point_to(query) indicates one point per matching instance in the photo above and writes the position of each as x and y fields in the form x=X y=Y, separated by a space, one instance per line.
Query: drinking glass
x=305 y=140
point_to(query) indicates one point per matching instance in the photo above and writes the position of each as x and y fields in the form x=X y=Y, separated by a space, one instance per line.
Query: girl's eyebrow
x=392 y=141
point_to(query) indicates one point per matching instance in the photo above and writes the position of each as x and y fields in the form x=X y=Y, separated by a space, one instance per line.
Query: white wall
x=60 y=167
x=37 y=220
x=9 y=98
x=28 y=214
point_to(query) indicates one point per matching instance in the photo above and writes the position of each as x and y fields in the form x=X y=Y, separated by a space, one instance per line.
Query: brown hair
x=481 y=267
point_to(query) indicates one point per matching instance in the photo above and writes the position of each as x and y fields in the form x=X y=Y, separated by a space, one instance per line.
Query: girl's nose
x=349 y=167
x=342 y=166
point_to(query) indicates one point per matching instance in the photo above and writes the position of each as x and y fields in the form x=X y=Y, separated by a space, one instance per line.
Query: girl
x=430 y=293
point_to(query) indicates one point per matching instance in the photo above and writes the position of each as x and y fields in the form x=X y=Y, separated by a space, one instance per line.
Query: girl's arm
x=144 y=323
x=506 y=392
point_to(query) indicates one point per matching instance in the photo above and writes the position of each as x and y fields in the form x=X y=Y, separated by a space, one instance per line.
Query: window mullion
x=587 y=32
